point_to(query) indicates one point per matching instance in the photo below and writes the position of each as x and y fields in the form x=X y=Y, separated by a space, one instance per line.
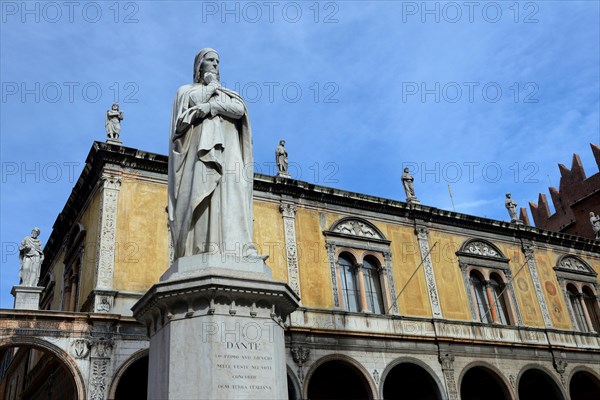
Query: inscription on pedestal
x=244 y=366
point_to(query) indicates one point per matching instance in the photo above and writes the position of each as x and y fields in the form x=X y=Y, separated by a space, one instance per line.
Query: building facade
x=397 y=300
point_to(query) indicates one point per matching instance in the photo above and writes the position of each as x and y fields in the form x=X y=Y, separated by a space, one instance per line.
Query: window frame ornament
x=360 y=239
x=572 y=270
x=480 y=255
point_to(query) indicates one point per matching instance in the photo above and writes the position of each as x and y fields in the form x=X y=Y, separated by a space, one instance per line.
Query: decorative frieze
x=423 y=239
x=289 y=228
x=529 y=252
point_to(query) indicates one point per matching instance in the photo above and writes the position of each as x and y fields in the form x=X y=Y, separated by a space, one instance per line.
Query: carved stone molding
x=356 y=228
x=481 y=248
x=300 y=356
x=423 y=239
x=528 y=250
x=101 y=347
x=332 y=266
x=289 y=228
x=98 y=379
x=80 y=348
x=560 y=366
x=376 y=376
x=387 y=269
x=447 y=361
x=107 y=232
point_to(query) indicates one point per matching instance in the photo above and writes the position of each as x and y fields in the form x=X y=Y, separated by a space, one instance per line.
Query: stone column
x=492 y=302
x=588 y=320
x=447 y=361
x=360 y=277
x=529 y=252
x=107 y=232
x=288 y=212
x=423 y=239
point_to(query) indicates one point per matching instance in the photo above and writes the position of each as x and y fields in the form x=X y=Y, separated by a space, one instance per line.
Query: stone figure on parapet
x=281 y=157
x=31 y=256
x=511 y=206
x=113 y=123
x=211 y=171
x=409 y=188
x=595 y=221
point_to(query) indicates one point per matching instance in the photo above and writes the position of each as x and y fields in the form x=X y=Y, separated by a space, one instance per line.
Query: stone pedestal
x=216 y=330
x=27 y=297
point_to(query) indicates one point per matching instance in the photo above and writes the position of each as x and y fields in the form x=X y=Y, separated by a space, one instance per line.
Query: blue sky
x=487 y=97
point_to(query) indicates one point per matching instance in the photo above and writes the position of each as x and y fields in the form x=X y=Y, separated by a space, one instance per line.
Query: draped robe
x=211 y=173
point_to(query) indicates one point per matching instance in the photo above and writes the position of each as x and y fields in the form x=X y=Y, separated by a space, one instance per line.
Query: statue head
x=115 y=107
x=207 y=60
x=591 y=214
x=508 y=195
x=282 y=142
x=35 y=232
x=406 y=170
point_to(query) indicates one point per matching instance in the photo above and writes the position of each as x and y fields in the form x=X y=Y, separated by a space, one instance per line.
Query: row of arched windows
x=363 y=284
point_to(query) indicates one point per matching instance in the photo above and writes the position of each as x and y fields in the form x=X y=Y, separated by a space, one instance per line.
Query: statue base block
x=27 y=297
x=215 y=332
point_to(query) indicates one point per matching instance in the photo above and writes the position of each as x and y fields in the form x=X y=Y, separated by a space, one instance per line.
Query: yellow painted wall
x=89 y=219
x=555 y=299
x=412 y=292
x=142 y=241
x=315 y=276
x=450 y=283
x=269 y=237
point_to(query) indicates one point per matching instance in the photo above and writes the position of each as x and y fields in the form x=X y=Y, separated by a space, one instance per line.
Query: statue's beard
x=202 y=73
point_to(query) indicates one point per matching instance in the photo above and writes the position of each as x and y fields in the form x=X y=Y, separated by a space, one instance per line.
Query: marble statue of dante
x=511 y=206
x=281 y=157
x=595 y=221
x=113 y=122
x=210 y=166
x=31 y=256
x=408 y=183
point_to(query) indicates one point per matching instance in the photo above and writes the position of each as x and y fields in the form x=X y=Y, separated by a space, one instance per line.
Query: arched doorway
x=480 y=383
x=338 y=380
x=34 y=373
x=537 y=384
x=584 y=386
x=411 y=382
x=133 y=383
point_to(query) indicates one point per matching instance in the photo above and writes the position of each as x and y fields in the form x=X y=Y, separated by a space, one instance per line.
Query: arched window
x=349 y=283
x=591 y=304
x=483 y=306
x=498 y=293
x=360 y=262
x=485 y=273
x=576 y=307
x=580 y=287
x=373 y=292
